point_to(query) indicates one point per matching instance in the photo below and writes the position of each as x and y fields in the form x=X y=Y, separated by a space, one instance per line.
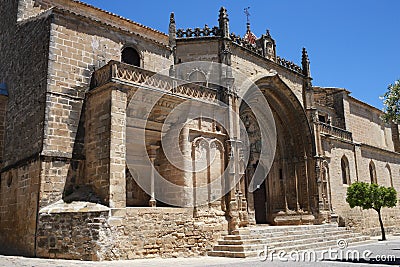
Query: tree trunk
x=381 y=223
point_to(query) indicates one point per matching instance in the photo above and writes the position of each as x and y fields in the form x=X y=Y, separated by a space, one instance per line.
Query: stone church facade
x=70 y=75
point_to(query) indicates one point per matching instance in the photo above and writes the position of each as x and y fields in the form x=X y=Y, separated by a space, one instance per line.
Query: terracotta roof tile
x=118 y=16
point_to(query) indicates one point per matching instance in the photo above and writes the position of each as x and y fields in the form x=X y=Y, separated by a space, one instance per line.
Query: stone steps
x=298 y=244
x=329 y=244
x=290 y=236
x=249 y=242
x=288 y=239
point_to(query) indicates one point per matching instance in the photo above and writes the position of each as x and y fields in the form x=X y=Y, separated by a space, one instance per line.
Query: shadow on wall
x=75 y=188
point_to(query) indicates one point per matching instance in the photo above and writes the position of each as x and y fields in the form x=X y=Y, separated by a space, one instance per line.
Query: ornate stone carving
x=117 y=71
x=334 y=131
x=289 y=65
x=198 y=32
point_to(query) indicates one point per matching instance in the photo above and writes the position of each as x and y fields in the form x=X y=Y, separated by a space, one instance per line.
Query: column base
x=152 y=203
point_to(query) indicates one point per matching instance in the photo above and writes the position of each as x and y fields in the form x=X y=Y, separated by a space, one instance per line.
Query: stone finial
x=223 y=22
x=268 y=46
x=172 y=18
x=223 y=14
x=172 y=31
x=305 y=62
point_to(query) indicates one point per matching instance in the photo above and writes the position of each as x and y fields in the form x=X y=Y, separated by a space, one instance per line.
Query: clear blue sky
x=352 y=44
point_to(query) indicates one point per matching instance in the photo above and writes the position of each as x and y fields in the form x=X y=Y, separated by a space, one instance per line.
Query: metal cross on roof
x=247 y=13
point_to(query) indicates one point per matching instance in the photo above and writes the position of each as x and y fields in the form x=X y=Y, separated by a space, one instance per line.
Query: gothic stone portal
x=287 y=194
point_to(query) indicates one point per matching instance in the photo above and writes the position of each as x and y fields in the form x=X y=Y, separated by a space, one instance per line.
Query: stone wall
x=329 y=101
x=247 y=64
x=359 y=158
x=188 y=51
x=97 y=143
x=255 y=68
x=165 y=232
x=206 y=50
x=74 y=55
x=366 y=125
x=19 y=194
x=78 y=47
x=126 y=233
x=71 y=231
x=59 y=175
x=23 y=69
x=117 y=167
x=8 y=18
x=105 y=145
x=26 y=82
x=3 y=110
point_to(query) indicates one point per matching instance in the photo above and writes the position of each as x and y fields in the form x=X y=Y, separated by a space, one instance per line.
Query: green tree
x=372 y=196
x=391 y=103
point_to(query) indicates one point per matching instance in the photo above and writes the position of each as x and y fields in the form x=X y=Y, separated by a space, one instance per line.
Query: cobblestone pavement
x=389 y=249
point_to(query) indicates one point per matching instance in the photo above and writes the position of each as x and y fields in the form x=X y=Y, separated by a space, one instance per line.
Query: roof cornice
x=106 y=18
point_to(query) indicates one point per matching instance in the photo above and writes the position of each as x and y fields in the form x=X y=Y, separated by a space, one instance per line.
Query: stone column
x=297 y=185
x=309 y=197
x=117 y=193
x=320 y=184
x=237 y=202
x=152 y=154
x=357 y=157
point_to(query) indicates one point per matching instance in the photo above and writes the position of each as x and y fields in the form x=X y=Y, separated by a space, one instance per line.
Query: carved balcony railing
x=120 y=72
x=334 y=131
x=198 y=32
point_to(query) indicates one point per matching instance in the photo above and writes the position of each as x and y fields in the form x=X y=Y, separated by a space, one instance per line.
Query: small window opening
x=345 y=171
x=9 y=180
x=130 y=56
x=198 y=77
x=322 y=118
x=372 y=173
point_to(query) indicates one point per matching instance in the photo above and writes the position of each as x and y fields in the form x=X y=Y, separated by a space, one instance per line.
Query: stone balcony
x=125 y=74
x=330 y=130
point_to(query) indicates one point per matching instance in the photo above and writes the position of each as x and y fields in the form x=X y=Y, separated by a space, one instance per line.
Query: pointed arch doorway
x=288 y=194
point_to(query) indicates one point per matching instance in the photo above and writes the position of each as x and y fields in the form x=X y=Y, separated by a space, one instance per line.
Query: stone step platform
x=291 y=240
x=249 y=242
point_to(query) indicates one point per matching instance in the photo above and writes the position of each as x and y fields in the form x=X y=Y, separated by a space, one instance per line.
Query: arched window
x=389 y=175
x=130 y=56
x=9 y=180
x=372 y=173
x=345 y=170
x=198 y=77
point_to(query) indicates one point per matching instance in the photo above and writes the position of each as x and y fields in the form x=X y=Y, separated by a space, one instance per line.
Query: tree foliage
x=391 y=103
x=372 y=196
